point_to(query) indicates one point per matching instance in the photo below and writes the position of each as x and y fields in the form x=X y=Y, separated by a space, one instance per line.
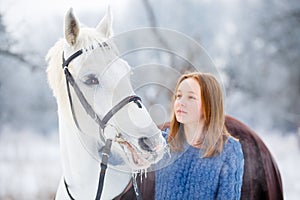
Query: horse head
x=104 y=81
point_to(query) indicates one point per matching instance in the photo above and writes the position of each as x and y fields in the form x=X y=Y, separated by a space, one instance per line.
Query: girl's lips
x=180 y=112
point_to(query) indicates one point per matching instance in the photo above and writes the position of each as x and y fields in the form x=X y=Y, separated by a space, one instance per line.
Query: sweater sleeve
x=231 y=175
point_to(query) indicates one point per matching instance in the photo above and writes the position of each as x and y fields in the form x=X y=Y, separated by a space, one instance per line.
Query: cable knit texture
x=190 y=176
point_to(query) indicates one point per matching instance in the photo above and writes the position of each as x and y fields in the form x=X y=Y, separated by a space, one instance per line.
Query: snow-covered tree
x=25 y=99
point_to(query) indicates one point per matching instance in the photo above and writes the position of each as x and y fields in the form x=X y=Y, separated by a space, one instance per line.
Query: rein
x=102 y=123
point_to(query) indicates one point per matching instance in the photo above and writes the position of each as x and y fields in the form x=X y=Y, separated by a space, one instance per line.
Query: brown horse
x=261 y=178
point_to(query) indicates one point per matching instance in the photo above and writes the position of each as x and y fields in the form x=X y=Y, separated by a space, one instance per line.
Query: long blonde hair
x=215 y=132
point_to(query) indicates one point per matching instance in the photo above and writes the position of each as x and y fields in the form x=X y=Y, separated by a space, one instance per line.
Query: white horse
x=103 y=80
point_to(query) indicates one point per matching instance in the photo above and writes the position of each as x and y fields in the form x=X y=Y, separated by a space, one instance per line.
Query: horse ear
x=105 y=25
x=71 y=27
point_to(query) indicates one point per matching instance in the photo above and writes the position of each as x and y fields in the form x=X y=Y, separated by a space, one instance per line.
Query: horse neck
x=81 y=170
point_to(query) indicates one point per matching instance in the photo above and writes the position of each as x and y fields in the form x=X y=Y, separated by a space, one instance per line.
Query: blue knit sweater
x=187 y=176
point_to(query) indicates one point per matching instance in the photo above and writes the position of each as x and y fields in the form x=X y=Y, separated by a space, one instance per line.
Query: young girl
x=205 y=162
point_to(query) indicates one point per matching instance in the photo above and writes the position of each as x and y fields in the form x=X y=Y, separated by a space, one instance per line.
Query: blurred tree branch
x=153 y=23
x=150 y=13
x=19 y=57
x=6 y=43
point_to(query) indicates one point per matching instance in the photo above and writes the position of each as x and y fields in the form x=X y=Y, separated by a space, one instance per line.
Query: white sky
x=31 y=21
x=34 y=11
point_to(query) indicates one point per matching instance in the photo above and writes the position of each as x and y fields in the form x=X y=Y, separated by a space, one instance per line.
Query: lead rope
x=136 y=188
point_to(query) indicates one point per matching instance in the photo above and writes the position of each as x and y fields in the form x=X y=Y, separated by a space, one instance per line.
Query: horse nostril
x=145 y=143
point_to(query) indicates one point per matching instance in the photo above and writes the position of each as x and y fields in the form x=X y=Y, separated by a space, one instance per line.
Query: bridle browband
x=101 y=122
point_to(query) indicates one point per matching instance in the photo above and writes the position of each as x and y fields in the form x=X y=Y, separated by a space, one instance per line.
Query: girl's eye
x=191 y=97
x=178 y=96
x=91 y=80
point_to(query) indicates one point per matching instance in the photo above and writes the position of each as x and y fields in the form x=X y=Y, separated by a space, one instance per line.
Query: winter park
x=86 y=85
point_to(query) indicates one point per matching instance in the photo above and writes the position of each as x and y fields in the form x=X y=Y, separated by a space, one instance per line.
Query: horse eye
x=91 y=80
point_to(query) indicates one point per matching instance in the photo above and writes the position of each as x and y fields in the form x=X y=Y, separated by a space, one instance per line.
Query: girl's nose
x=181 y=102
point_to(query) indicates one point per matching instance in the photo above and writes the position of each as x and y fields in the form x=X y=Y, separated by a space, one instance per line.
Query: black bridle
x=101 y=122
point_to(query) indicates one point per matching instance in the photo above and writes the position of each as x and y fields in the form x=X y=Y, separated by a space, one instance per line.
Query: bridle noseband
x=101 y=122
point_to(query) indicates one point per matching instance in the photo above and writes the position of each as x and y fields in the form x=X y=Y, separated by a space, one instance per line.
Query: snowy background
x=254 y=44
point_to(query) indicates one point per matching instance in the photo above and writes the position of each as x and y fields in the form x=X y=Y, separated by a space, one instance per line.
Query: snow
x=30 y=165
x=286 y=151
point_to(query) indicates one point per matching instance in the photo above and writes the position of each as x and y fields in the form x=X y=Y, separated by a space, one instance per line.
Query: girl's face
x=187 y=105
